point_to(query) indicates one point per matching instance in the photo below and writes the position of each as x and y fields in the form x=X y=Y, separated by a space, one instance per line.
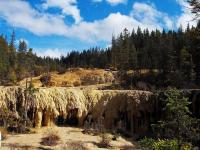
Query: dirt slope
x=75 y=77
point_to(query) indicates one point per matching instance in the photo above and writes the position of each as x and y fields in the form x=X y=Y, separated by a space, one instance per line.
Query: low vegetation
x=104 y=141
x=45 y=79
x=14 y=123
x=177 y=129
x=51 y=138
x=74 y=145
x=164 y=144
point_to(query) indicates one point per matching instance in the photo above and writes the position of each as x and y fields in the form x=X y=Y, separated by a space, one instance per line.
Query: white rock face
x=48 y=104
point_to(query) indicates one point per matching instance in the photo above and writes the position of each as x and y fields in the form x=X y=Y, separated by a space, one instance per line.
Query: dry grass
x=105 y=141
x=74 y=145
x=51 y=138
x=73 y=77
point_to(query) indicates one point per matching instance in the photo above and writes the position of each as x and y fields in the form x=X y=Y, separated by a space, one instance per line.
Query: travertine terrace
x=59 y=105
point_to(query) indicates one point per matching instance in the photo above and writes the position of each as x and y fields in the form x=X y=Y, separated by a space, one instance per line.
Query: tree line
x=91 y=58
x=18 y=61
x=21 y=62
x=171 y=55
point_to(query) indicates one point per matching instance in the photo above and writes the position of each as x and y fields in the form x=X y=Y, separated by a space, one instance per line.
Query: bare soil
x=70 y=139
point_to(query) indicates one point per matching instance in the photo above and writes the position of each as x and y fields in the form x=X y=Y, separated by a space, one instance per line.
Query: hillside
x=74 y=77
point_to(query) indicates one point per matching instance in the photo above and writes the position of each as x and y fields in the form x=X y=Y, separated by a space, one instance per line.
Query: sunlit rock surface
x=71 y=106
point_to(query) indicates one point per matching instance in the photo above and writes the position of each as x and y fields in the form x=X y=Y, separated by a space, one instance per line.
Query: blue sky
x=55 y=27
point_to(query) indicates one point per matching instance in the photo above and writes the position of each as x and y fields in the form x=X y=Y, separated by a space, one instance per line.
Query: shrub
x=151 y=144
x=105 y=141
x=51 y=139
x=166 y=145
x=66 y=84
x=61 y=70
x=147 y=143
x=13 y=122
x=45 y=79
x=74 y=145
x=77 y=83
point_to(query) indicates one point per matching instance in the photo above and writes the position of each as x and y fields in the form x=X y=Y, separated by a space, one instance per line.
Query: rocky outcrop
x=131 y=108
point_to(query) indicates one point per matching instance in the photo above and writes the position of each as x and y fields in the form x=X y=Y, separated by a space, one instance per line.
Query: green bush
x=147 y=143
x=165 y=145
x=151 y=144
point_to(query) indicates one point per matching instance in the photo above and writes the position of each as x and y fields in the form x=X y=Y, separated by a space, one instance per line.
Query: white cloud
x=102 y=30
x=53 y=53
x=186 y=16
x=68 y=7
x=184 y=19
x=183 y=3
x=148 y=14
x=115 y=2
x=20 y=14
x=112 y=2
x=143 y=15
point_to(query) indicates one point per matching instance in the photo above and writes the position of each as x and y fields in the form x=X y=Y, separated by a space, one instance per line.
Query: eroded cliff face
x=74 y=106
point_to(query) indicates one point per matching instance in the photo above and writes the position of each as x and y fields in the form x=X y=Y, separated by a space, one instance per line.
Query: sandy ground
x=71 y=139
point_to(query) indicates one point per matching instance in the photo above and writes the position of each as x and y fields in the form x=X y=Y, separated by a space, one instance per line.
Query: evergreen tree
x=195 y=48
x=114 y=52
x=132 y=57
x=186 y=66
x=4 y=59
x=177 y=122
x=22 y=46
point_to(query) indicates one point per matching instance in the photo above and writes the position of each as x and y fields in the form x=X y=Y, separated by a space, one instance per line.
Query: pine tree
x=186 y=65
x=195 y=43
x=22 y=46
x=114 y=52
x=4 y=60
x=124 y=49
x=12 y=59
x=132 y=57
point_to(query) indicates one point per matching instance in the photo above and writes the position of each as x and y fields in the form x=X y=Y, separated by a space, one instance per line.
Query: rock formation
x=73 y=106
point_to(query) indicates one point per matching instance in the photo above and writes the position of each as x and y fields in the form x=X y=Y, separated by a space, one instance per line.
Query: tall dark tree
x=22 y=46
x=195 y=33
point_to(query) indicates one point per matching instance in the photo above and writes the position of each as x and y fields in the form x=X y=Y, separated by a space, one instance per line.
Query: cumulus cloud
x=102 y=30
x=68 y=7
x=115 y=2
x=142 y=15
x=53 y=53
x=112 y=2
x=20 y=14
x=148 y=14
